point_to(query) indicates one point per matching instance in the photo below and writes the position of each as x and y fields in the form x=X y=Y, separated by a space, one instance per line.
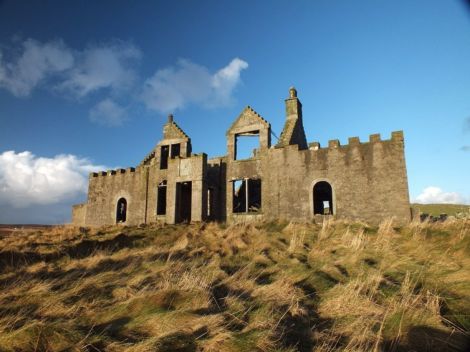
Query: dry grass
x=280 y=287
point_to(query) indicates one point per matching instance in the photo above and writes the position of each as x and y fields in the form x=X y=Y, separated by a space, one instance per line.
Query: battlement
x=111 y=172
x=396 y=137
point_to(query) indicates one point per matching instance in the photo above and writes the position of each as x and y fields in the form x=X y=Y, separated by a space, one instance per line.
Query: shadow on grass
x=428 y=339
x=15 y=260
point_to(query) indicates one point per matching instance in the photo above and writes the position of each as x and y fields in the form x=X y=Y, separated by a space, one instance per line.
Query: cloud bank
x=174 y=88
x=432 y=195
x=29 y=183
x=34 y=64
x=111 y=68
x=108 y=65
x=99 y=67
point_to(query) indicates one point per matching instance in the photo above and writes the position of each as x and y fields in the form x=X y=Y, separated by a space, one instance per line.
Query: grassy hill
x=280 y=287
x=437 y=209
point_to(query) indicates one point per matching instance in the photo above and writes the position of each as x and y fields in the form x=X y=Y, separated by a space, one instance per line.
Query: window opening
x=239 y=196
x=210 y=194
x=175 y=150
x=246 y=145
x=246 y=195
x=161 y=198
x=121 y=210
x=322 y=198
x=165 y=149
x=254 y=195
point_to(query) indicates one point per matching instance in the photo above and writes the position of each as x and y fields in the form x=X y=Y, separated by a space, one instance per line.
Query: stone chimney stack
x=170 y=118
x=293 y=105
x=293 y=132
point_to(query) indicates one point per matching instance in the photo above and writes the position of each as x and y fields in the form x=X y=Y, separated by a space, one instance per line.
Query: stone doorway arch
x=323 y=198
x=121 y=210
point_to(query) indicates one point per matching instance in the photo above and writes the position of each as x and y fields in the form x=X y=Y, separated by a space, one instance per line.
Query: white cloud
x=105 y=66
x=173 y=88
x=108 y=113
x=225 y=80
x=27 y=180
x=36 y=62
x=431 y=195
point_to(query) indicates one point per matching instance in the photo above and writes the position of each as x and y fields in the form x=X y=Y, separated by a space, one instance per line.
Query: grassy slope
x=437 y=209
x=265 y=287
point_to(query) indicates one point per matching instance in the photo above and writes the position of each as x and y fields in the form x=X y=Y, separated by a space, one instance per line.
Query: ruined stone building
x=292 y=179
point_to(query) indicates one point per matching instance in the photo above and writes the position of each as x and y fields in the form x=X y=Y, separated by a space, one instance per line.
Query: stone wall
x=78 y=214
x=106 y=188
x=369 y=180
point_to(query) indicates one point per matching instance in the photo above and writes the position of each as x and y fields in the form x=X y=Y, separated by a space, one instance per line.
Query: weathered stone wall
x=369 y=180
x=79 y=214
x=106 y=188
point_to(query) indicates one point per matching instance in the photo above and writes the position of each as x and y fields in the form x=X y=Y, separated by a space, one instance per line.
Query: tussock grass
x=278 y=286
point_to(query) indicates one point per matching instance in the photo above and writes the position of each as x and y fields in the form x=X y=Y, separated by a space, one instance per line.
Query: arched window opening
x=121 y=210
x=322 y=198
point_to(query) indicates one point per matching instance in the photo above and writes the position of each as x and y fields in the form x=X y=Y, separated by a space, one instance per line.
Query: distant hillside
x=437 y=209
x=268 y=287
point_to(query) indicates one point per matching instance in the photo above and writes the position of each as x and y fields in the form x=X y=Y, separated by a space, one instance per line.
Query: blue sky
x=88 y=85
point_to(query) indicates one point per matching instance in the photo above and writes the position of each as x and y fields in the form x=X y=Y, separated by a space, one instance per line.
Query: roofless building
x=293 y=179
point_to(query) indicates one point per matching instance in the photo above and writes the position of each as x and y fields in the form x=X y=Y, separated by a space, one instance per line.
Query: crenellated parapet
x=396 y=137
x=129 y=170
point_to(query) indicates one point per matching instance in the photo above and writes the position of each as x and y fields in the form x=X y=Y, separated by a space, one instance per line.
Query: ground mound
x=262 y=287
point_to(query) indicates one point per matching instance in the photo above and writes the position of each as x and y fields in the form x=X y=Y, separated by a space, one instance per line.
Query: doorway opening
x=322 y=198
x=183 y=202
x=121 y=210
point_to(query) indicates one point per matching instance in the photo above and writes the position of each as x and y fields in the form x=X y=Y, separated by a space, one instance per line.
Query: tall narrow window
x=210 y=194
x=161 y=198
x=247 y=196
x=175 y=150
x=254 y=195
x=165 y=150
x=239 y=196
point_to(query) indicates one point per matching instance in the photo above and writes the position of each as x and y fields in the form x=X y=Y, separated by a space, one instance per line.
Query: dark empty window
x=121 y=210
x=254 y=195
x=246 y=195
x=175 y=150
x=322 y=198
x=165 y=150
x=246 y=145
x=161 y=198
